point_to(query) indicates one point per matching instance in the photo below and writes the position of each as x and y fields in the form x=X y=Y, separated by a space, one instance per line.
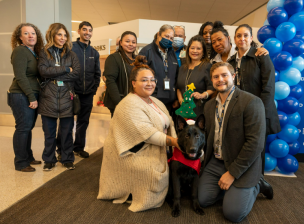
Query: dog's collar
x=179 y=156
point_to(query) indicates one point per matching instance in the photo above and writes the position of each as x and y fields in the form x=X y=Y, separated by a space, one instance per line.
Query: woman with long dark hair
x=196 y=71
x=117 y=70
x=23 y=93
x=256 y=75
x=59 y=66
x=205 y=31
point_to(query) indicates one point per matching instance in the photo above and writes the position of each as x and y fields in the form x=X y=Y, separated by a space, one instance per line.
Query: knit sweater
x=143 y=174
x=25 y=73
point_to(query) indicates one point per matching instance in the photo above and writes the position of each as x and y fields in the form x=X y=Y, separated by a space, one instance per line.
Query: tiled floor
x=14 y=185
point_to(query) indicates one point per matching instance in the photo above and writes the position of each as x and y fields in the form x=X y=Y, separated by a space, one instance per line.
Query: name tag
x=182 y=54
x=174 y=63
x=166 y=84
x=60 y=83
x=91 y=57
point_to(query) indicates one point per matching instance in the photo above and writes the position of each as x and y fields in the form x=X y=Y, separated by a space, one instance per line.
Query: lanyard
x=237 y=73
x=220 y=118
x=35 y=55
x=57 y=57
x=165 y=59
x=156 y=109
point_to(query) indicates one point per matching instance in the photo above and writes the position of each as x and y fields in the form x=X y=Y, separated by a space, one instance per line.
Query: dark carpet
x=71 y=198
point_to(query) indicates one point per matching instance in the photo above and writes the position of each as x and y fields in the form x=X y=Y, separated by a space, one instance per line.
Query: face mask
x=178 y=42
x=165 y=43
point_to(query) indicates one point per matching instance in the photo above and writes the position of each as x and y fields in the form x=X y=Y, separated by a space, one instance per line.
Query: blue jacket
x=89 y=77
x=155 y=61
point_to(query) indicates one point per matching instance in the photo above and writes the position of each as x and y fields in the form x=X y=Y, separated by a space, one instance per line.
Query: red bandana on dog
x=178 y=156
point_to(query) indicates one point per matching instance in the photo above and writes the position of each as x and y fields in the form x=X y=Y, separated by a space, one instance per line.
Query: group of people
x=46 y=80
x=235 y=92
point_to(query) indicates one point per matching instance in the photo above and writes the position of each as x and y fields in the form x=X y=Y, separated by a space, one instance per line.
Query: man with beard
x=235 y=126
x=85 y=87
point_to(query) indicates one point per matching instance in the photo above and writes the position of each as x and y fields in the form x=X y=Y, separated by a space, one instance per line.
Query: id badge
x=182 y=54
x=166 y=84
x=60 y=83
x=218 y=150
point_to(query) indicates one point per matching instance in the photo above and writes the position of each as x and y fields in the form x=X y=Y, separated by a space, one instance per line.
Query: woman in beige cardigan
x=134 y=162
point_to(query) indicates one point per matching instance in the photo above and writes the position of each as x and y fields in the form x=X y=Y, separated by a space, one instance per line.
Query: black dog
x=191 y=140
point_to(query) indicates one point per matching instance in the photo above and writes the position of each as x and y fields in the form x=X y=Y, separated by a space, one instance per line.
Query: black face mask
x=165 y=43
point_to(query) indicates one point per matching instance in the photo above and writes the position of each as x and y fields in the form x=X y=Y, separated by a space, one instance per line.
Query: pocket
x=159 y=180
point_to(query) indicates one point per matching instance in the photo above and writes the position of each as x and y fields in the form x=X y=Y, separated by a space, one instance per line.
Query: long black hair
x=201 y=31
x=121 y=50
x=253 y=44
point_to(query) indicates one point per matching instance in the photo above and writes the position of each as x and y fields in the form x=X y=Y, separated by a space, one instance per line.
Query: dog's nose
x=192 y=150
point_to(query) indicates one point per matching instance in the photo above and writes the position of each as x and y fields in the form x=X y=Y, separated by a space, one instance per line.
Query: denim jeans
x=25 y=119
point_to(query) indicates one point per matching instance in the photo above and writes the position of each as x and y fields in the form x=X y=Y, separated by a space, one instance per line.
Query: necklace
x=155 y=109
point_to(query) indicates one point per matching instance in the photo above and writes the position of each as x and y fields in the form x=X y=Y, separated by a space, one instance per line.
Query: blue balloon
x=294 y=119
x=282 y=90
x=298 y=20
x=283 y=118
x=273 y=45
x=298 y=63
x=278 y=148
x=276 y=103
x=277 y=76
x=291 y=76
x=274 y=3
x=265 y=32
x=289 y=105
x=294 y=148
x=296 y=91
x=289 y=133
x=282 y=60
x=295 y=47
x=300 y=35
x=285 y=31
x=293 y=6
x=266 y=23
x=271 y=138
x=276 y=16
x=270 y=162
x=288 y=164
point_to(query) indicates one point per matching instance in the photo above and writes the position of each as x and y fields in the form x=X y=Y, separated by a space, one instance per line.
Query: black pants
x=86 y=101
x=25 y=119
x=49 y=126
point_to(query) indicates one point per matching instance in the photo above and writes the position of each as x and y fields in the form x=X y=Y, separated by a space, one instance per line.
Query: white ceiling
x=100 y=12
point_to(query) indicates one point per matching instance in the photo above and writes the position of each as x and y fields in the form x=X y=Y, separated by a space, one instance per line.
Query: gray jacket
x=244 y=131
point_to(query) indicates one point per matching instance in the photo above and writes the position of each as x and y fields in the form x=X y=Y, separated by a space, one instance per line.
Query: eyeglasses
x=146 y=81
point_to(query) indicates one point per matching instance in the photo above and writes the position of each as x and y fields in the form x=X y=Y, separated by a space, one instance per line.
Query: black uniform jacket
x=89 y=77
x=55 y=101
x=258 y=77
x=155 y=61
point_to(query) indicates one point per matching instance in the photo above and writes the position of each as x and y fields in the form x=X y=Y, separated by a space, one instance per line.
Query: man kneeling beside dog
x=235 y=135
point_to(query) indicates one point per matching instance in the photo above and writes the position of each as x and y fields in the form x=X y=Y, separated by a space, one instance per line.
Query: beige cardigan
x=144 y=174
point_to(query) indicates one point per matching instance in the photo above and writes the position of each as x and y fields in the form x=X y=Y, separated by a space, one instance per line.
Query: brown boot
x=28 y=169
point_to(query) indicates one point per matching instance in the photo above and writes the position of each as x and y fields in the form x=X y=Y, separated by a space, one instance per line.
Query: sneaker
x=82 y=154
x=69 y=166
x=59 y=157
x=48 y=166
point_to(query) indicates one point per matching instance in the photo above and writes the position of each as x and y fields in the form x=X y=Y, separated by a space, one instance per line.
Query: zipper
x=58 y=101
x=84 y=59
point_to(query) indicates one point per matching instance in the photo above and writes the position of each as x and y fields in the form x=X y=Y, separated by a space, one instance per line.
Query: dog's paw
x=199 y=210
x=175 y=213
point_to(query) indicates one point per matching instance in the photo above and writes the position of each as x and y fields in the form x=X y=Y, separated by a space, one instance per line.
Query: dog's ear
x=200 y=122
x=181 y=123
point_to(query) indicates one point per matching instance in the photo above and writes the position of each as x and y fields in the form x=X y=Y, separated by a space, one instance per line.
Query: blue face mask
x=165 y=43
x=178 y=42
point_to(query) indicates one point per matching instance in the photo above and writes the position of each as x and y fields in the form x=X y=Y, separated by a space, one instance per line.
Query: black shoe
x=82 y=154
x=69 y=166
x=48 y=166
x=35 y=162
x=59 y=157
x=265 y=188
